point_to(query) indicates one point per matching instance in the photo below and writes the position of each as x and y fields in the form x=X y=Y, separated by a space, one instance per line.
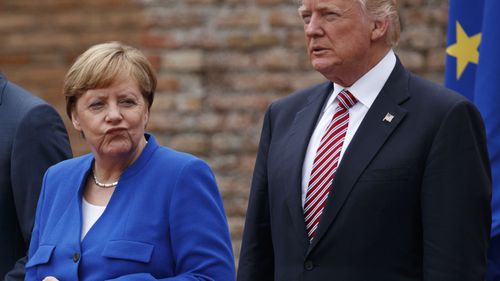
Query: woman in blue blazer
x=131 y=209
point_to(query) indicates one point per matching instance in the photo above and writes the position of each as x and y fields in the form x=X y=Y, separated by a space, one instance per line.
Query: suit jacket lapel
x=298 y=140
x=369 y=138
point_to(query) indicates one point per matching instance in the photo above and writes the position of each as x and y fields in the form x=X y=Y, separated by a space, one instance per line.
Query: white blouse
x=90 y=214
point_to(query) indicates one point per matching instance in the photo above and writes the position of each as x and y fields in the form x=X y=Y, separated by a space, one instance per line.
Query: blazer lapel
x=298 y=140
x=369 y=138
x=69 y=227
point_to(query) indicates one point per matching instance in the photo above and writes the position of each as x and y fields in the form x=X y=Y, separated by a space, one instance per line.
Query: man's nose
x=314 y=27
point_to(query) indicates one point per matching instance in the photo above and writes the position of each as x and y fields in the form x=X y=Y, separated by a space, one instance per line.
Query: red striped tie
x=326 y=162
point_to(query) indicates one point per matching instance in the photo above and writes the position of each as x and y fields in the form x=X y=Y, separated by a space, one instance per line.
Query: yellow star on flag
x=465 y=49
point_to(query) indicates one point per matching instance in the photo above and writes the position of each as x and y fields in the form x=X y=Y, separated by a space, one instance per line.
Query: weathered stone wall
x=219 y=62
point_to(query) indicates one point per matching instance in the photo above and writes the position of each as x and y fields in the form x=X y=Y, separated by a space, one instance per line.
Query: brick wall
x=219 y=63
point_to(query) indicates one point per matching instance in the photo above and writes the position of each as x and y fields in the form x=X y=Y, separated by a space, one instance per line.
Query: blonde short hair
x=100 y=65
x=379 y=9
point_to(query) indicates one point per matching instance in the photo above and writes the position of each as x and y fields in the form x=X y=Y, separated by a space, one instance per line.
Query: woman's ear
x=379 y=29
x=75 y=121
x=146 y=118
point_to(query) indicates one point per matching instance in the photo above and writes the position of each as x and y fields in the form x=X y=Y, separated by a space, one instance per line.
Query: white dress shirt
x=366 y=90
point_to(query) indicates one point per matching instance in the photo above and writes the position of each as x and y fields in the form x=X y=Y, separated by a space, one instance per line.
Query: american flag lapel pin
x=388 y=118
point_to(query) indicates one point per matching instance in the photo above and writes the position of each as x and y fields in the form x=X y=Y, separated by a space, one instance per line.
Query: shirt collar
x=367 y=88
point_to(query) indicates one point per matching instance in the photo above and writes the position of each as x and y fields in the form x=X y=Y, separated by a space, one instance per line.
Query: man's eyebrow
x=302 y=9
x=321 y=7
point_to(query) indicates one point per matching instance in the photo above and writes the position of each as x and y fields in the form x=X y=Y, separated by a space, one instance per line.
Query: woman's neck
x=109 y=168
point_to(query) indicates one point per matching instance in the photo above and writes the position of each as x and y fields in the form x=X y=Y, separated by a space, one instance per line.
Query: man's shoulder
x=304 y=95
x=20 y=111
x=18 y=101
x=433 y=92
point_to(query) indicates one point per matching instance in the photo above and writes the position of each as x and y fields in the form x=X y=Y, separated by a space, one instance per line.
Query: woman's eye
x=127 y=102
x=96 y=105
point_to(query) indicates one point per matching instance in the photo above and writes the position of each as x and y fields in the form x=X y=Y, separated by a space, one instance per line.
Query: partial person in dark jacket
x=32 y=138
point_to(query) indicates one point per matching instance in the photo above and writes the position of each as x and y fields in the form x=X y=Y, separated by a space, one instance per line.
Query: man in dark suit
x=32 y=138
x=375 y=174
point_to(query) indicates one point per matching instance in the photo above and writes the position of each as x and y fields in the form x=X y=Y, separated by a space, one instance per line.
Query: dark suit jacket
x=32 y=138
x=410 y=200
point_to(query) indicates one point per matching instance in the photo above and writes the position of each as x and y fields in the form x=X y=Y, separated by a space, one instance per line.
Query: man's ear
x=379 y=28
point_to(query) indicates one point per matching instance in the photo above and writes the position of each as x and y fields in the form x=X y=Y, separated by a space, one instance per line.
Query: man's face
x=338 y=36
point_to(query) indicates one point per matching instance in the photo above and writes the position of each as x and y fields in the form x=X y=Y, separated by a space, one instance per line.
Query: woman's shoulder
x=161 y=154
x=181 y=159
x=73 y=165
x=64 y=178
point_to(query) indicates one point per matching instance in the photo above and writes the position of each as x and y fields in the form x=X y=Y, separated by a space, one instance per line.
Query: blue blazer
x=164 y=221
x=409 y=201
x=32 y=138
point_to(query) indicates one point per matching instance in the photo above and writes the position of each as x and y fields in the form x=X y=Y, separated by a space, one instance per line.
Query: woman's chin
x=117 y=151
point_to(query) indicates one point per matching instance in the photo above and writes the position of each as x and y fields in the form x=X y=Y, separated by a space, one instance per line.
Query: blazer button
x=76 y=257
x=308 y=265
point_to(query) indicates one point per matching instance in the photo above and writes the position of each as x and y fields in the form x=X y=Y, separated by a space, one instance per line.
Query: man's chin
x=326 y=67
x=322 y=68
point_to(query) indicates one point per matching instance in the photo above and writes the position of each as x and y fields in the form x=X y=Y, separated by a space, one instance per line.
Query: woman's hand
x=50 y=278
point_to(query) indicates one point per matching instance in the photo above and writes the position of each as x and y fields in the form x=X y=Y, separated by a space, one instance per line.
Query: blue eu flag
x=464 y=37
x=473 y=69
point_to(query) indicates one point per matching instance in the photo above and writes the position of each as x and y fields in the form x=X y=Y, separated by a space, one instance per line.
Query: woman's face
x=113 y=119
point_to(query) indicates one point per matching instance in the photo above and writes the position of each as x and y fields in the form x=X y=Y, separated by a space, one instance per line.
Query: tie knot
x=346 y=99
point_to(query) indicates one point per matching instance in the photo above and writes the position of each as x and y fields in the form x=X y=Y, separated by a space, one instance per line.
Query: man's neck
x=373 y=57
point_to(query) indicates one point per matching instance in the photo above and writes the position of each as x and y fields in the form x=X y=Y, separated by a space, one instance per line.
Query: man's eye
x=331 y=16
x=306 y=18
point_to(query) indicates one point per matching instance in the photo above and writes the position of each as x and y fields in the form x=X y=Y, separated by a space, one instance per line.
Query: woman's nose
x=114 y=114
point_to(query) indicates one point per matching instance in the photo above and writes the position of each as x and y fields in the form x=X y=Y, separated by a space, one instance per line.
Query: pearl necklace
x=103 y=185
